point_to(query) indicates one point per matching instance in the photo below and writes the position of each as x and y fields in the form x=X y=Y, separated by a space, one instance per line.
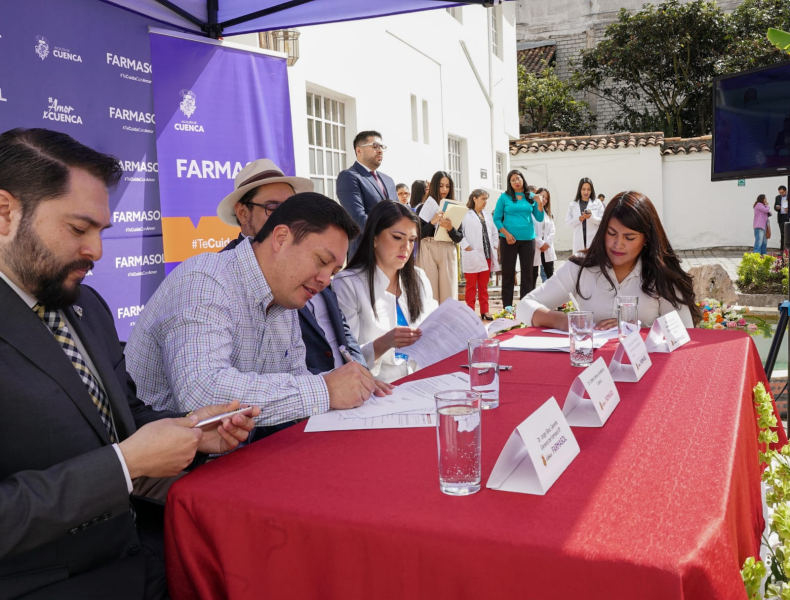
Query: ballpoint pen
x=346 y=355
x=501 y=367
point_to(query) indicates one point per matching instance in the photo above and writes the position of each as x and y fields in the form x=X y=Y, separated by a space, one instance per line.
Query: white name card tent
x=668 y=333
x=634 y=347
x=603 y=397
x=536 y=454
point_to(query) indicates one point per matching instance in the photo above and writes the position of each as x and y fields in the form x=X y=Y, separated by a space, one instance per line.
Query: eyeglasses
x=376 y=146
x=268 y=208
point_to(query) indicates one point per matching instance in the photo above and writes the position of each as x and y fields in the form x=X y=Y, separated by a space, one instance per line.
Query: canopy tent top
x=216 y=18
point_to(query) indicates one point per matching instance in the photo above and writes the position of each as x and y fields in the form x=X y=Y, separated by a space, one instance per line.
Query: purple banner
x=218 y=108
x=83 y=67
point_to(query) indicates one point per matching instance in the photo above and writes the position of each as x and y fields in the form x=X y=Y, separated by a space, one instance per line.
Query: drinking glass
x=580 y=330
x=484 y=370
x=458 y=438
x=627 y=315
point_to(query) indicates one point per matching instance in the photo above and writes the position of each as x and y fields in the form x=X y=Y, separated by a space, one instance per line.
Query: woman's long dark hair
x=418 y=192
x=511 y=192
x=760 y=198
x=383 y=216
x=582 y=181
x=547 y=206
x=470 y=204
x=662 y=276
x=433 y=189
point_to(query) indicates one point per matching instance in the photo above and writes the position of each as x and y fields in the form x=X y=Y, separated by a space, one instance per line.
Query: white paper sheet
x=499 y=325
x=410 y=397
x=544 y=344
x=335 y=420
x=445 y=332
x=429 y=209
x=606 y=334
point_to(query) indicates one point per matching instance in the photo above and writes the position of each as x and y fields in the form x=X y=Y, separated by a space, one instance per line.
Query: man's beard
x=39 y=271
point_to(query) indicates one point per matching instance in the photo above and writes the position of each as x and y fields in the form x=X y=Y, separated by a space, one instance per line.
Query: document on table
x=429 y=209
x=409 y=397
x=606 y=334
x=543 y=344
x=445 y=332
x=334 y=420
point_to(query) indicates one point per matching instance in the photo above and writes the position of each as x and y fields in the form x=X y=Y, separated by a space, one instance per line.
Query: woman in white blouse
x=382 y=294
x=478 y=256
x=584 y=215
x=544 y=239
x=632 y=257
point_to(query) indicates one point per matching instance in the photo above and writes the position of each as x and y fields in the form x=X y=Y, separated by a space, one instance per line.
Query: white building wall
x=375 y=66
x=695 y=212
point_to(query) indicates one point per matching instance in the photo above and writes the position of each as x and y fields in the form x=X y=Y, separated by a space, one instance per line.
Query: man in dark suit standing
x=780 y=205
x=73 y=436
x=362 y=185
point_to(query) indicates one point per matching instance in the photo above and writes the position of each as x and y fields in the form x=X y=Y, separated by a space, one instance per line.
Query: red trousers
x=473 y=282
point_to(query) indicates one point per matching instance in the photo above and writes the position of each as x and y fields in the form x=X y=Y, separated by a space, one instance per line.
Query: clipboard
x=454 y=211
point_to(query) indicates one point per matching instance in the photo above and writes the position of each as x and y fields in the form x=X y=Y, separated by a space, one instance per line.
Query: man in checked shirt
x=225 y=325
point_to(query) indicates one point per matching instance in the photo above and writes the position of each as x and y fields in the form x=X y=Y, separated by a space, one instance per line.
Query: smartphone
x=588 y=212
x=242 y=411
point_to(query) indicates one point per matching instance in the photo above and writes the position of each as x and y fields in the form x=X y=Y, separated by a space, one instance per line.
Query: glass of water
x=484 y=370
x=580 y=330
x=627 y=315
x=458 y=435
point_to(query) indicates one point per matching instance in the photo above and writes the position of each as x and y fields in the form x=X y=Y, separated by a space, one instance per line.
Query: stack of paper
x=544 y=344
x=410 y=405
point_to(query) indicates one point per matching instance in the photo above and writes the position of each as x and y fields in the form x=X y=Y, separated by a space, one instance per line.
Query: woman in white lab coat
x=382 y=294
x=584 y=215
x=478 y=251
x=544 y=239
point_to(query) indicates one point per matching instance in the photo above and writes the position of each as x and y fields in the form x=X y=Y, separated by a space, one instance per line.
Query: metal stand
x=776 y=343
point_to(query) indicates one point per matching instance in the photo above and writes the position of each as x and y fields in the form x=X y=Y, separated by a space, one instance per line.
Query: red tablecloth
x=662 y=502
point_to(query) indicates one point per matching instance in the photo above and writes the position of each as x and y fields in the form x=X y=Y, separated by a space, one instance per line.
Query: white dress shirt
x=31 y=302
x=317 y=305
x=596 y=207
x=597 y=295
x=353 y=296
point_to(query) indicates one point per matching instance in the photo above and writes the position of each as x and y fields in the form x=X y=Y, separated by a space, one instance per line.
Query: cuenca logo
x=60 y=112
x=42 y=47
x=188 y=106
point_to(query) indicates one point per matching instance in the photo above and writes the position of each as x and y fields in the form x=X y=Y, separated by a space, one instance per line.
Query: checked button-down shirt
x=205 y=337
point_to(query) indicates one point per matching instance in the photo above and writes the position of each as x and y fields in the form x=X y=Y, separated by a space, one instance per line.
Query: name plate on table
x=634 y=347
x=595 y=410
x=536 y=454
x=667 y=333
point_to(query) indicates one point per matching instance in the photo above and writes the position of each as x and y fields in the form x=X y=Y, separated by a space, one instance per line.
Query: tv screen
x=751 y=123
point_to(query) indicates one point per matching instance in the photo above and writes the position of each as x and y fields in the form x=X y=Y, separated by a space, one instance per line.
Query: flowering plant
x=567 y=307
x=508 y=313
x=716 y=315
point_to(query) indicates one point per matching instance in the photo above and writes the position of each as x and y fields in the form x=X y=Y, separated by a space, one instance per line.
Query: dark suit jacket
x=780 y=218
x=65 y=526
x=319 y=353
x=358 y=192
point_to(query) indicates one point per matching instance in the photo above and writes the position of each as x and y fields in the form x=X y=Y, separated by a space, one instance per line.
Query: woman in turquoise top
x=513 y=218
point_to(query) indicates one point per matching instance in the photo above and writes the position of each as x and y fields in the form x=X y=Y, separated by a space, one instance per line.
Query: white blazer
x=572 y=220
x=474 y=260
x=597 y=295
x=353 y=296
x=544 y=234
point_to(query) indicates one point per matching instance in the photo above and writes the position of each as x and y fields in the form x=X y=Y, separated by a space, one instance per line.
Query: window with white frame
x=495 y=14
x=500 y=168
x=454 y=162
x=457 y=14
x=326 y=141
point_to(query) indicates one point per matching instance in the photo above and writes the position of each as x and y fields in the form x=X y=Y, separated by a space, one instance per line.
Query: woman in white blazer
x=382 y=294
x=478 y=251
x=584 y=215
x=544 y=239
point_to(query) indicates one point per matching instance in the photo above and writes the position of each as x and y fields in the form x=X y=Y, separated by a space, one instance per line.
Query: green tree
x=750 y=47
x=547 y=104
x=656 y=66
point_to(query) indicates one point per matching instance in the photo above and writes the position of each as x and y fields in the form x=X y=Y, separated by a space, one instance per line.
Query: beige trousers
x=440 y=263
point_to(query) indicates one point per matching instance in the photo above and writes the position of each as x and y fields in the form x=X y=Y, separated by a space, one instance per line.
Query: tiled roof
x=534 y=143
x=536 y=59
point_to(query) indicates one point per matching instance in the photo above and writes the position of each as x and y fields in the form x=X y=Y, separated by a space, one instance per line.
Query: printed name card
x=634 y=347
x=536 y=454
x=667 y=333
x=594 y=411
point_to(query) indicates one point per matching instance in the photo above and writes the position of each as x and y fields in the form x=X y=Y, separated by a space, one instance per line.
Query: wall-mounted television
x=751 y=123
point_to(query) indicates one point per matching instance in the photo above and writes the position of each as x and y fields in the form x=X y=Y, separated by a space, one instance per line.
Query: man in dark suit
x=362 y=186
x=780 y=205
x=73 y=436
